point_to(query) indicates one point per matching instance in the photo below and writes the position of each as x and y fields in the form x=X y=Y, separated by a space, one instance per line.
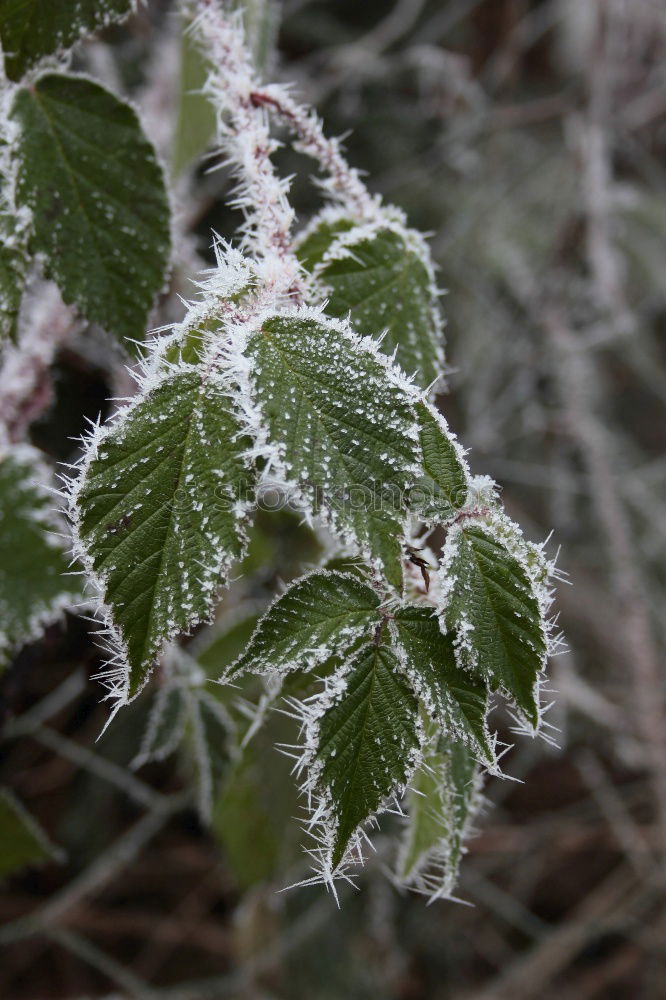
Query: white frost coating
x=38 y=481
x=178 y=712
x=343 y=184
x=446 y=713
x=539 y=569
x=244 y=135
x=201 y=702
x=9 y=134
x=59 y=59
x=292 y=654
x=376 y=219
x=321 y=811
x=434 y=872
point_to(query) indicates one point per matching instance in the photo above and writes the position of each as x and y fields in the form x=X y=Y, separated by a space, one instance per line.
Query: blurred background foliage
x=528 y=137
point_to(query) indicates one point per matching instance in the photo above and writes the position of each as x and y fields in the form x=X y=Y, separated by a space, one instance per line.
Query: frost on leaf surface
x=443 y=487
x=33 y=558
x=455 y=699
x=24 y=843
x=31 y=29
x=443 y=799
x=492 y=605
x=365 y=743
x=161 y=513
x=318 y=237
x=13 y=267
x=319 y=616
x=382 y=278
x=97 y=195
x=342 y=423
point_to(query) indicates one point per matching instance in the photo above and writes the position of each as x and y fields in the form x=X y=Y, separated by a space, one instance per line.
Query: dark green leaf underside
x=493 y=600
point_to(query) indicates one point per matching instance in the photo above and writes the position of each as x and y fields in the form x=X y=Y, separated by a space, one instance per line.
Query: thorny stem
x=244 y=134
x=344 y=183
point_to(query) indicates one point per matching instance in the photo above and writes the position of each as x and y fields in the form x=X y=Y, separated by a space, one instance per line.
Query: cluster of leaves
x=306 y=367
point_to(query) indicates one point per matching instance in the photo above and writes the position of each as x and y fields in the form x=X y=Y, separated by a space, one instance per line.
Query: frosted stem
x=343 y=183
x=244 y=135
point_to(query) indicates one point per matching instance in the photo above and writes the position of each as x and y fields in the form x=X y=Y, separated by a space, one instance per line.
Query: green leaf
x=443 y=489
x=24 y=843
x=493 y=607
x=454 y=698
x=210 y=729
x=32 y=29
x=384 y=283
x=96 y=192
x=366 y=742
x=13 y=268
x=162 y=512
x=443 y=799
x=319 y=615
x=166 y=725
x=319 y=236
x=33 y=559
x=343 y=426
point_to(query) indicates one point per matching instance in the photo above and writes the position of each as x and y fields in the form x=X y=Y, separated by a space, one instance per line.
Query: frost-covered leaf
x=492 y=606
x=442 y=489
x=454 y=698
x=33 y=558
x=444 y=797
x=23 y=841
x=211 y=729
x=32 y=29
x=161 y=513
x=382 y=277
x=224 y=644
x=318 y=237
x=92 y=181
x=13 y=267
x=365 y=743
x=342 y=422
x=166 y=725
x=318 y=616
